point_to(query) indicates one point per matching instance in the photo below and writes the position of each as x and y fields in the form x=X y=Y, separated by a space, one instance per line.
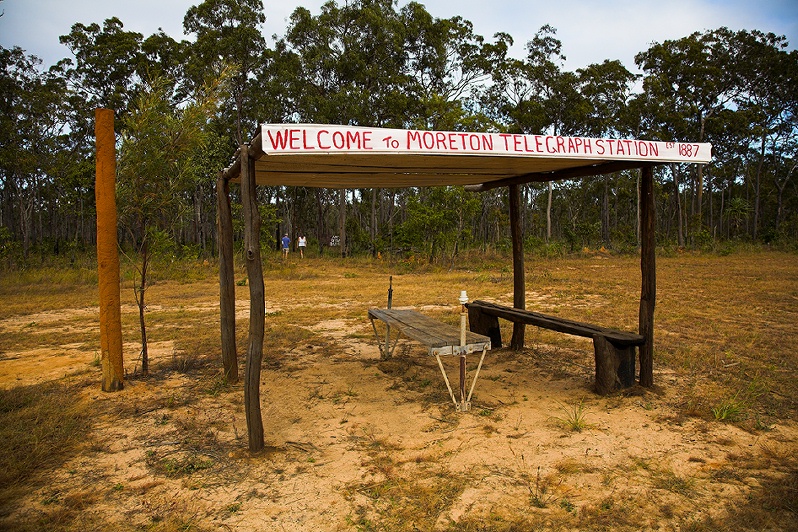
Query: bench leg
x=479 y=367
x=615 y=365
x=446 y=379
x=386 y=349
x=465 y=401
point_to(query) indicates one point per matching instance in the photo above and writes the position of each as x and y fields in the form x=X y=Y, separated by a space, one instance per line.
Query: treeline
x=183 y=107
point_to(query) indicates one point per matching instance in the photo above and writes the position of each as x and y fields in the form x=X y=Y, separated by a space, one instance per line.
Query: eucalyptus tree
x=111 y=66
x=769 y=97
x=734 y=153
x=32 y=125
x=521 y=88
x=166 y=59
x=161 y=152
x=346 y=66
x=645 y=117
x=447 y=64
x=107 y=66
x=73 y=171
x=535 y=96
x=228 y=37
x=691 y=79
x=438 y=221
x=105 y=71
x=605 y=89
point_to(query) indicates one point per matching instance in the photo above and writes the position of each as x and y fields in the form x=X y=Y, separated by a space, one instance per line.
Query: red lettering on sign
x=357 y=139
x=319 y=142
x=334 y=138
x=352 y=138
x=413 y=136
x=526 y=145
x=428 y=139
x=338 y=140
x=294 y=140
x=305 y=140
x=278 y=140
x=440 y=140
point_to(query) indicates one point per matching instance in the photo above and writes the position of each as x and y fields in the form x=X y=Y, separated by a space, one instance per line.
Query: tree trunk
x=605 y=212
x=321 y=232
x=711 y=206
x=140 y=291
x=678 y=196
x=780 y=196
x=637 y=220
x=700 y=175
x=548 y=213
x=199 y=236
x=342 y=221
x=373 y=228
x=757 y=180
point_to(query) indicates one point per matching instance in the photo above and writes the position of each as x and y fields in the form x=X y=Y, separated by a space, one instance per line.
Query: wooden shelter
x=332 y=156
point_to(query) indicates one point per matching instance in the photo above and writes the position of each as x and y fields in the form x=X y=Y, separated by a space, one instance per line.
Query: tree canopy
x=368 y=62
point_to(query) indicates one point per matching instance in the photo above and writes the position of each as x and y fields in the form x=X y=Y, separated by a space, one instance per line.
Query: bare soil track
x=356 y=443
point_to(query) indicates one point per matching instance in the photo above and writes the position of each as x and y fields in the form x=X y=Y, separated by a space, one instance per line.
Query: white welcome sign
x=317 y=138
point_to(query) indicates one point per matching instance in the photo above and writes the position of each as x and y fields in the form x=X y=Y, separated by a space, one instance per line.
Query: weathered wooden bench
x=614 y=350
x=440 y=339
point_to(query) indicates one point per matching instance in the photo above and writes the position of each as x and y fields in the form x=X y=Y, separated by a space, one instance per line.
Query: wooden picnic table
x=439 y=338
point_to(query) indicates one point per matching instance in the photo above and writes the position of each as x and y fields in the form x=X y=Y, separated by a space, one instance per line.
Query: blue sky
x=590 y=31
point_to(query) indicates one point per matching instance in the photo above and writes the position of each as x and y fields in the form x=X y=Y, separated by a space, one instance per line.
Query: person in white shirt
x=303 y=242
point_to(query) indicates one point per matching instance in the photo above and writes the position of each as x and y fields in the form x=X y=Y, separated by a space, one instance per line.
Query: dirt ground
x=356 y=443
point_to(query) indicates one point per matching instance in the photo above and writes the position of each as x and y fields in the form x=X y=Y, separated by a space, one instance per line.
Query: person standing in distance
x=302 y=242
x=286 y=245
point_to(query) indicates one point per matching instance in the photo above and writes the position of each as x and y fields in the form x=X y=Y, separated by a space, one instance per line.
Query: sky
x=590 y=30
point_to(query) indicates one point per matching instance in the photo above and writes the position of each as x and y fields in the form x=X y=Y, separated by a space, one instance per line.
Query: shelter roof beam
x=568 y=173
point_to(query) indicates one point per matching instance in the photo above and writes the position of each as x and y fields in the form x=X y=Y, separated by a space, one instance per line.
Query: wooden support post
x=519 y=283
x=386 y=354
x=257 y=306
x=462 y=406
x=485 y=324
x=463 y=318
x=615 y=365
x=227 y=288
x=108 y=253
x=648 y=292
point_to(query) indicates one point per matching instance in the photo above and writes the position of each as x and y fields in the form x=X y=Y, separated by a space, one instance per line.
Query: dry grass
x=725 y=330
x=40 y=427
